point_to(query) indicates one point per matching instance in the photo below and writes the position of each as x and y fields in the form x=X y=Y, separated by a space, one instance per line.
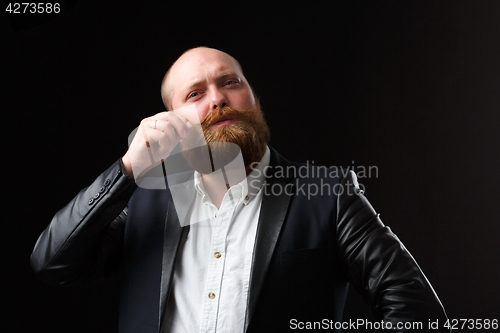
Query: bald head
x=188 y=65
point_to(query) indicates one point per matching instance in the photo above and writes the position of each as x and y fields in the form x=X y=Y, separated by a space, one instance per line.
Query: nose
x=217 y=99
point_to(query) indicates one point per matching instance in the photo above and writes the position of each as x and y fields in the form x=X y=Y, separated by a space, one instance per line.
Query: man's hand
x=154 y=140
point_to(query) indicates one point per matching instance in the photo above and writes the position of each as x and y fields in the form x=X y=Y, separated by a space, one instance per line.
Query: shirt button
x=247 y=198
x=211 y=295
x=217 y=255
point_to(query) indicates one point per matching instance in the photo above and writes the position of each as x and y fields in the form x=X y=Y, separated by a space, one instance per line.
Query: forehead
x=202 y=64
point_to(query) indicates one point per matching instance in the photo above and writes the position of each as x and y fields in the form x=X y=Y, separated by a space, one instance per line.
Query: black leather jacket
x=306 y=251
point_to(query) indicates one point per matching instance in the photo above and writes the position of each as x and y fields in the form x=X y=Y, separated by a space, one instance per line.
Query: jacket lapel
x=172 y=237
x=272 y=214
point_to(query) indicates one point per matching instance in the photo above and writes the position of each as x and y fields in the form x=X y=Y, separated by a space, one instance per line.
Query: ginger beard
x=249 y=132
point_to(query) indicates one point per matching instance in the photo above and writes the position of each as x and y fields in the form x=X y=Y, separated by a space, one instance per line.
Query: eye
x=231 y=82
x=193 y=94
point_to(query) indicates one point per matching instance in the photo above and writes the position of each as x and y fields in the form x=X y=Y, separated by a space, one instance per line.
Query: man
x=231 y=246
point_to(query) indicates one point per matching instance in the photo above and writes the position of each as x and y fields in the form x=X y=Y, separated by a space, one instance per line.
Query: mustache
x=226 y=112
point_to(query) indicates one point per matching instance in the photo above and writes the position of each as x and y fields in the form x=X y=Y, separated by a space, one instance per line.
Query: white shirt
x=212 y=275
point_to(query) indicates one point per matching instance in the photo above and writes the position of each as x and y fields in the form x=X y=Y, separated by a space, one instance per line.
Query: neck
x=216 y=184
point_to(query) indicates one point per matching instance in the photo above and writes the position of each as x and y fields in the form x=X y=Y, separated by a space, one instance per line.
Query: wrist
x=127 y=165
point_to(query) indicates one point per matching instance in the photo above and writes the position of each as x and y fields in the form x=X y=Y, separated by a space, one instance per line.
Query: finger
x=170 y=135
x=159 y=129
x=144 y=135
x=167 y=115
x=174 y=122
x=189 y=113
x=154 y=130
x=157 y=136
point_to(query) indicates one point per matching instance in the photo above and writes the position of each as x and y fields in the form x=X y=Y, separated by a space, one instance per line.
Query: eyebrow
x=222 y=75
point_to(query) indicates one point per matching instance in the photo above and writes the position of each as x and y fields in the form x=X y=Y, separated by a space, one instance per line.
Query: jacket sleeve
x=84 y=239
x=379 y=266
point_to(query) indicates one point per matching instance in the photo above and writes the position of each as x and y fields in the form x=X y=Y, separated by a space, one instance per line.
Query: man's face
x=209 y=79
x=213 y=82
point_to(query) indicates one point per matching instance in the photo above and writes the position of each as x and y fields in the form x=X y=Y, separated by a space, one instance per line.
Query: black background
x=412 y=87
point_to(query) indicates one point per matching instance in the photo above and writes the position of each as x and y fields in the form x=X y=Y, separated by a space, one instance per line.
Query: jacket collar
x=272 y=214
x=172 y=240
